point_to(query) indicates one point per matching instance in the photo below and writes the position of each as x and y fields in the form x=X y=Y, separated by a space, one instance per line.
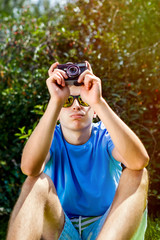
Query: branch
x=143 y=49
x=113 y=20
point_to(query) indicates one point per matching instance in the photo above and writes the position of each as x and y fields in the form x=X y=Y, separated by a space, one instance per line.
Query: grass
x=153 y=229
x=152 y=233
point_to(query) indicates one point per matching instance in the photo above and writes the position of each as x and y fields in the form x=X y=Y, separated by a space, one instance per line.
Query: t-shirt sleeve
x=109 y=147
x=116 y=163
x=49 y=164
x=51 y=148
x=55 y=140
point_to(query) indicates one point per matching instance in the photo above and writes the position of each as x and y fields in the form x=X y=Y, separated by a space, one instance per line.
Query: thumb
x=89 y=66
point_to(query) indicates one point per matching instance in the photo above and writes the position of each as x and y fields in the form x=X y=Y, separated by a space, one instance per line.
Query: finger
x=50 y=80
x=52 y=67
x=82 y=76
x=63 y=73
x=54 y=79
x=61 y=76
x=88 y=81
x=89 y=66
x=58 y=79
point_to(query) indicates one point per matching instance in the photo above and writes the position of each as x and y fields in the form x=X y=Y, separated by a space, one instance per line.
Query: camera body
x=73 y=71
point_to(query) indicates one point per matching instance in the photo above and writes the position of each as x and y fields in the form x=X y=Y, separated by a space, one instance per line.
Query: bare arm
x=37 y=146
x=36 y=150
x=128 y=148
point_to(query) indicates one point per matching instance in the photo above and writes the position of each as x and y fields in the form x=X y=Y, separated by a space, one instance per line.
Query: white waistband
x=80 y=223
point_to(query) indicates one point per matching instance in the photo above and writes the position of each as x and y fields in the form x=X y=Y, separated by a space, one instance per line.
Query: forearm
x=125 y=140
x=38 y=145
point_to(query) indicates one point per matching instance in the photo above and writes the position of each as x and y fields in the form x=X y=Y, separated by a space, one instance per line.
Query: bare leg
x=38 y=212
x=128 y=206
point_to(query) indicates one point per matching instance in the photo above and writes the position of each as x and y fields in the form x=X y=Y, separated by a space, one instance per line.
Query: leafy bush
x=121 y=41
x=22 y=87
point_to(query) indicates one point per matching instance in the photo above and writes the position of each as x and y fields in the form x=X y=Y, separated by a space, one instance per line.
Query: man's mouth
x=77 y=115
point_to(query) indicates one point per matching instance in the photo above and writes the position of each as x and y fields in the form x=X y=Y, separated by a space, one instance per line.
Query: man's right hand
x=58 y=90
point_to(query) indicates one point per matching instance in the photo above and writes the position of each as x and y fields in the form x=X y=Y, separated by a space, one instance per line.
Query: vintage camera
x=73 y=71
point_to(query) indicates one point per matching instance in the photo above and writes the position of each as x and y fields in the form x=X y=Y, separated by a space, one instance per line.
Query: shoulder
x=58 y=132
x=100 y=133
x=57 y=128
x=99 y=127
x=57 y=138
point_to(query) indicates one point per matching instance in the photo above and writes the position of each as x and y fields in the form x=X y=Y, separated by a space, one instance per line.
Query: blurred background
x=121 y=40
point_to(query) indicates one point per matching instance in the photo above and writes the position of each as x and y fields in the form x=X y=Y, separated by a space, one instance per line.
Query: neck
x=77 y=137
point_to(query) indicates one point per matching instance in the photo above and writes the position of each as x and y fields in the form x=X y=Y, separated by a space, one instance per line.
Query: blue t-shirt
x=85 y=176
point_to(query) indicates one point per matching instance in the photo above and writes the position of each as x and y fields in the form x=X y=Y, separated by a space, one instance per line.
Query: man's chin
x=79 y=125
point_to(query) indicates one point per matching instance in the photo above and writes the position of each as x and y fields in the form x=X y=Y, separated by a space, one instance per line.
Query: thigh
x=53 y=222
x=92 y=232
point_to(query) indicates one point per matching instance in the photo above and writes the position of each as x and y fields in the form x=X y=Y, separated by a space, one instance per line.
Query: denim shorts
x=91 y=232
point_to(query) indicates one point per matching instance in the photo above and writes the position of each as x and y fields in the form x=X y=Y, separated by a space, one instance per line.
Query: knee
x=145 y=178
x=135 y=183
x=137 y=178
x=40 y=185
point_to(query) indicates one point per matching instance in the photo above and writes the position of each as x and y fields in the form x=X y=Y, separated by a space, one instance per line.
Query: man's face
x=76 y=117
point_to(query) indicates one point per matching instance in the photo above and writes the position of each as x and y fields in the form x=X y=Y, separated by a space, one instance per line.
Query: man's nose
x=76 y=104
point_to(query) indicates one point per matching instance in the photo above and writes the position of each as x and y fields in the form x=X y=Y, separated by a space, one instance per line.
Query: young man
x=74 y=169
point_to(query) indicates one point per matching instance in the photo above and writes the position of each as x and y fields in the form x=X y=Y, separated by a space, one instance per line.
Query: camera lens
x=73 y=71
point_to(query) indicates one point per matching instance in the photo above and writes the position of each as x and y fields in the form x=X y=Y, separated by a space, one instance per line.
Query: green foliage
x=153 y=229
x=121 y=41
x=22 y=87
